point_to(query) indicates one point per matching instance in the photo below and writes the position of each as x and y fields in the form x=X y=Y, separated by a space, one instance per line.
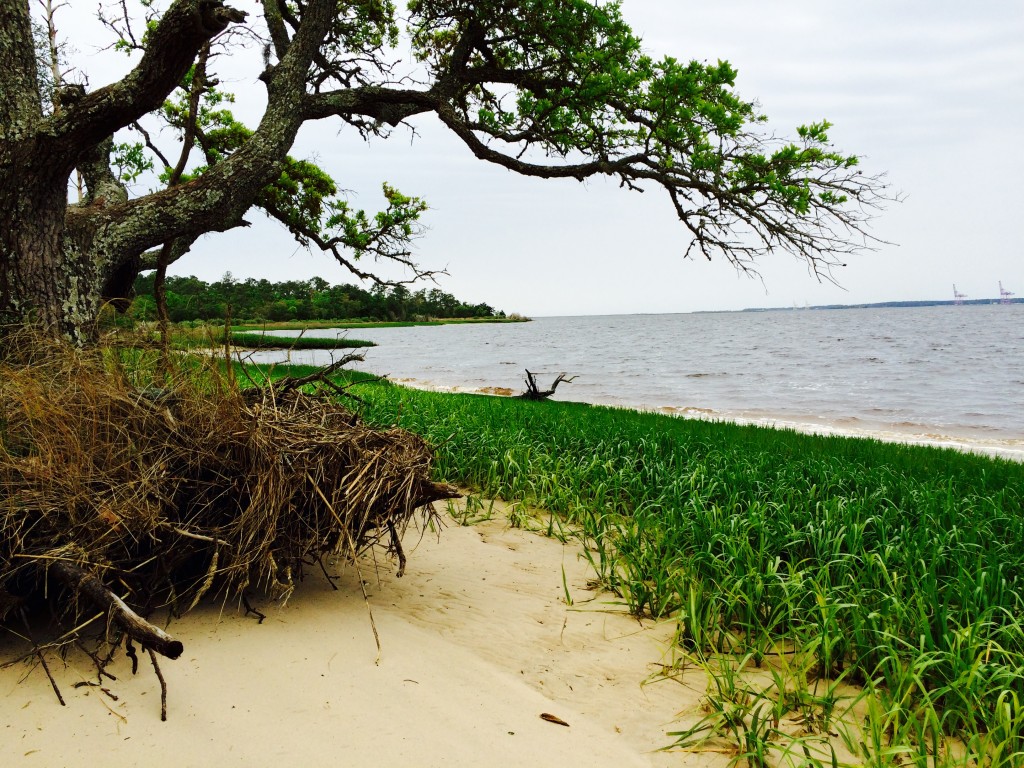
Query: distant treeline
x=189 y=298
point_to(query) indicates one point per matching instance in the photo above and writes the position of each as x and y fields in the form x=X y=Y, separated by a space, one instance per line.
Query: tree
x=545 y=88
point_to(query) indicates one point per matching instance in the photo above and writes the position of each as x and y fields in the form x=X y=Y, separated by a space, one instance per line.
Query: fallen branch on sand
x=138 y=628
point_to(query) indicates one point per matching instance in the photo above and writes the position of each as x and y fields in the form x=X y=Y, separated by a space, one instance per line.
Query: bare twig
x=163 y=685
x=294 y=382
x=53 y=683
x=249 y=609
x=396 y=544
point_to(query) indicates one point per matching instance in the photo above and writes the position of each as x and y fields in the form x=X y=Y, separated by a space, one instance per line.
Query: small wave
x=687 y=410
x=503 y=391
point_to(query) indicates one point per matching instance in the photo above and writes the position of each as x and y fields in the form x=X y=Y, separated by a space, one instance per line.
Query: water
x=947 y=375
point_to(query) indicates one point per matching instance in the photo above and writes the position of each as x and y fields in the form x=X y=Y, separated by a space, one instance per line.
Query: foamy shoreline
x=1011 y=449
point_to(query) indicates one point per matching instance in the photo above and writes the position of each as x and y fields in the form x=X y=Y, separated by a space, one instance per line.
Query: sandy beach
x=477 y=643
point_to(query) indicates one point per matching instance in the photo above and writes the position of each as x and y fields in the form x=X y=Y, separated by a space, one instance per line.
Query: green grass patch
x=300 y=325
x=896 y=567
x=262 y=341
x=209 y=336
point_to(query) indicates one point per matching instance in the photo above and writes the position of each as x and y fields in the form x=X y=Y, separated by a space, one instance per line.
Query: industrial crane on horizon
x=1004 y=295
x=958 y=298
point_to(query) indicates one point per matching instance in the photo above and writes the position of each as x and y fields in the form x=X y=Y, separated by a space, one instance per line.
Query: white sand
x=477 y=643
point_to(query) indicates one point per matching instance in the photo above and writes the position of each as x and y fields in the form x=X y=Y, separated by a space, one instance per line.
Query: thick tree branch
x=103 y=187
x=180 y=247
x=482 y=151
x=170 y=50
x=217 y=200
x=272 y=13
x=386 y=105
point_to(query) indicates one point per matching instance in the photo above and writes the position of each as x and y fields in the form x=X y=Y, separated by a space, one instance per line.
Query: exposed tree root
x=150 y=636
x=207 y=489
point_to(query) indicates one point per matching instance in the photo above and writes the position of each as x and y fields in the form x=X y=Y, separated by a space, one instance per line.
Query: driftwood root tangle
x=207 y=489
x=533 y=392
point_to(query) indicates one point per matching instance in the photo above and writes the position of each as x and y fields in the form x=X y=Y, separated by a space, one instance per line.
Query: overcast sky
x=931 y=93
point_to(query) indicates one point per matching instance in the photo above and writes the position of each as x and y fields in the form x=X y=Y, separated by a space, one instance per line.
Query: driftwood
x=96 y=591
x=533 y=392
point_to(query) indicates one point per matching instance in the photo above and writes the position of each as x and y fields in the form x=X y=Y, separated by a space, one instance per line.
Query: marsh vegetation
x=815 y=565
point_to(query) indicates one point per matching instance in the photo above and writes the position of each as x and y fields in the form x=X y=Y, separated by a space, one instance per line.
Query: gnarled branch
x=170 y=50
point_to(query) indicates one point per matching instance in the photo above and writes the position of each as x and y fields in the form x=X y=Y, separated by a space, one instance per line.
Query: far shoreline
x=345 y=325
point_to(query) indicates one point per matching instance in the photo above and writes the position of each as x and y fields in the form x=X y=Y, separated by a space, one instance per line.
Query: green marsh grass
x=262 y=341
x=896 y=568
x=301 y=325
x=187 y=336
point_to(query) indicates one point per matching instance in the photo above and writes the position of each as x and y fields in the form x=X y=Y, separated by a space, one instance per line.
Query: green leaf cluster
x=130 y=161
x=304 y=198
x=569 y=78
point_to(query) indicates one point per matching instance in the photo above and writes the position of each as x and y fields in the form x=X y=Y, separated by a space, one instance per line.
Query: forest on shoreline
x=252 y=300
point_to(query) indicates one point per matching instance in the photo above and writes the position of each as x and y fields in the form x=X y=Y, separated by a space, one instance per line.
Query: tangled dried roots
x=194 y=487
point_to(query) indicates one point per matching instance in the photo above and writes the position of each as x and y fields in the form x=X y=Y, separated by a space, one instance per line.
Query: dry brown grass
x=169 y=494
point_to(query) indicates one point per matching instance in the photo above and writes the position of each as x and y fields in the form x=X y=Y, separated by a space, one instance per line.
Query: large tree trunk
x=38 y=280
x=56 y=260
x=44 y=276
x=59 y=262
x=51 y=272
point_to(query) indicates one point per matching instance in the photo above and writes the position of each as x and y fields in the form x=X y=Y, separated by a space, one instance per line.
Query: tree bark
x=44 y=277
x=20 y=103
